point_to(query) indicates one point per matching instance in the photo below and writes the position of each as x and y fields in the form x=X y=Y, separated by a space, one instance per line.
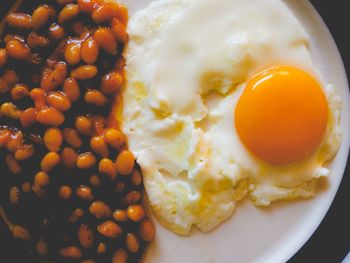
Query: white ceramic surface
x=273 y=234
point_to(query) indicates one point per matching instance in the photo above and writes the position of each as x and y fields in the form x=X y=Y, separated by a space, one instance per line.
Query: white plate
x=277 y=233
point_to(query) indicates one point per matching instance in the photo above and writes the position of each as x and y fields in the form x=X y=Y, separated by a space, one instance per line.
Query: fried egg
x=206 y=83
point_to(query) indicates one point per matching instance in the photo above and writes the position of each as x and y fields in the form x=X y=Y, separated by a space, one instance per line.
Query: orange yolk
x=282 y=115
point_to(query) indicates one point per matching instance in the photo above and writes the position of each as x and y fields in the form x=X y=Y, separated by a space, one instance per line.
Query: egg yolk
x=282 y=115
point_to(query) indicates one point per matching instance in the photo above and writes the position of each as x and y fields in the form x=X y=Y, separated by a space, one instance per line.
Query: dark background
x=331 y=241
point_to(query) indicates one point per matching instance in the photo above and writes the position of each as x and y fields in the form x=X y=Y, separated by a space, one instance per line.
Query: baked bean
x=10 y=110
x=87 y=6
x=106 y=40
x=95 y=97
x=119 y=30
x=19 y=20
x=89 y=50
x=72 y=53
x=65 y=2
x=114 y=138
x=125 y=162
x=86 y=236
x=19 y=232
x=58 y=100
x=53 y=138
x=76 y=215
x=84 y=192
x=26 y=187
x=132 y=243
x=69 y=157
x=147 y=230
x=56 y=32
x=12 y=164
x=41 y=248
x=136 y=178
x=28 y=117
x=50 y=116
x=95 y=181
x=67 y=13
x=19 y=91
x=106 y=166
x=5 y=136
x=71 y=89
x=17 y=50
x=99 y=123
x=71 y=252
x=3 y=57
x=38 y=191
x=10 y=77
x=99 y=146
x=14 y=195
x=123 y=15
x=65 y=192
x=105 y=13
x=41 y=179
x=39 y=98
x=84 y=72
x=120 y=256
x=119 y=187
x=15 y=141
x=71 y=136
x=83 y=125
x=109 y=229
x=40 y=17
x=133 y=197
x=86 y=160
x=24 y=152
x=101 y=248
x=53 y=78
x=49 y=161
x=136 y=212
x=35 y=40
x=111 y=82
x=120 y=215
x=100 y=210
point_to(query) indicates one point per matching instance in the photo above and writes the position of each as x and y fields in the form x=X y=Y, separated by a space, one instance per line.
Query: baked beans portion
x=70 y=190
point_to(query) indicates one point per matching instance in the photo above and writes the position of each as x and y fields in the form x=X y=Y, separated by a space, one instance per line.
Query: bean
x=100 y=210
x=10 y=110
x=71 y=136
x=26 y=187
x=111 y=82
x=89 y=50
x=132 y=243
x=3 y=57
x=71 y=89
x=125 y=162
x=53 y=138
x=10 y=77
x=41 y=179
x=50 y=116
x=71 y=252
x=19 y=91
x=24 y=152
x=136 y=212
x=5 y=136
x=69 y=157
x=72 y=53
x=53 y=78
x=49 y=161
x=119 y=30
x=19 y=20
x=86 y=236
x=38 y=191
x=19 y=232
x=109 y=229
x=147 y=230
x=58 y=100
x=40 y=17
x=87 y=6
x=56 y=32
x=95 y=97
x=106 y=166
x=99 y=146
x=84 y=72
x=83 y=125
x=15 y=141
x=101 y=248
x=105 y=13
x=14 y=195
x=17 y=50
x=120 y=215
x=80 y=29
x=67 y=13
x=84 y=192
x=133 y=197
x=119 y=187
x=41 y=248
x=35 y=40
x=99 y=123
x=76 y=215
x=123 y=15
x=39 y=98
x=95 y=181
x=65 y=192
x=86 y=160
x=114 y=138
x=28 y=117
x=136 y=178
x=106 y=40
x=120 y=256
x=65 y=2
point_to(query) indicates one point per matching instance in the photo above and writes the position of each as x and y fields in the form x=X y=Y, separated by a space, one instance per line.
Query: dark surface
x=331 y=241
